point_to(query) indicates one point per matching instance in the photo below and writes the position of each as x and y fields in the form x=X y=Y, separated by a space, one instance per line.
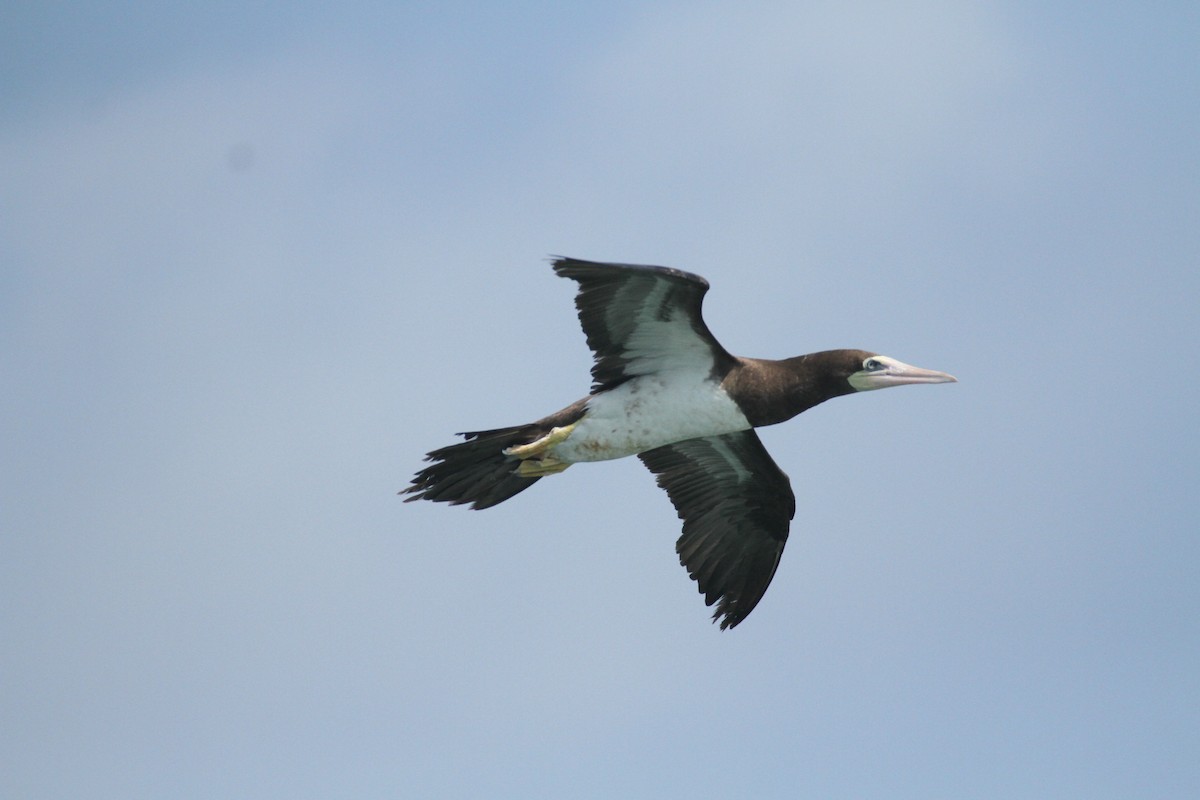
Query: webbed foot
x=536 y=460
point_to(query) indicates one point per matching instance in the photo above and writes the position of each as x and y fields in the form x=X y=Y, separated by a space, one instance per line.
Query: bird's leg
x=540 y=446
x=536 y=460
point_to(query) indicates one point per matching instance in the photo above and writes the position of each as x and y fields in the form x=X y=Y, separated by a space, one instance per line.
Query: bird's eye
x=872 y=365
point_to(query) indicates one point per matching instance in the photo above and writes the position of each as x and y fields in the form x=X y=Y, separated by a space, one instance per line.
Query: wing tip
x=730 y=611
x=577 y=268
x=727 y=618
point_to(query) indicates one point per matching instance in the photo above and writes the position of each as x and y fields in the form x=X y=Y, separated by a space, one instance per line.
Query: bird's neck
x=770 y=392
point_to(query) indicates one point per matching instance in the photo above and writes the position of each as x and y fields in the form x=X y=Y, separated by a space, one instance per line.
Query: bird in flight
x=665 y=390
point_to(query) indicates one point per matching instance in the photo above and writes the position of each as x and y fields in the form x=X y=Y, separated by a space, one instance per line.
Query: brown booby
x=665 y=390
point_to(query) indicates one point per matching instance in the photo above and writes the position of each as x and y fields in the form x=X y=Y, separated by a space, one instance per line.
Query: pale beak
x=896 y=373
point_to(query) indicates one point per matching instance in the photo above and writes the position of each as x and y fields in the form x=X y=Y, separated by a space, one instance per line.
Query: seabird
x=665 y=390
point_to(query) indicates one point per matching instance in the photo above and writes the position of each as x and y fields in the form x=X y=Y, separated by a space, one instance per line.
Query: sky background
x=256 y=260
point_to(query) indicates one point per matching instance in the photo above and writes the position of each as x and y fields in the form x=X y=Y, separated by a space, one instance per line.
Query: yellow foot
x=541 y=467
x=540 y=446
x=536 y=460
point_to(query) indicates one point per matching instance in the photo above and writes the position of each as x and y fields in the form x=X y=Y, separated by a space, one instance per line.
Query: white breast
x=650 y=411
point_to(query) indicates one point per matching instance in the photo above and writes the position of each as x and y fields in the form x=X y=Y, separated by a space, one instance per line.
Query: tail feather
x=475 y=471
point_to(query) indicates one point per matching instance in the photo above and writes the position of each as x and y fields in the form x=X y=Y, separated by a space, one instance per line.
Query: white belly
x=648 y=412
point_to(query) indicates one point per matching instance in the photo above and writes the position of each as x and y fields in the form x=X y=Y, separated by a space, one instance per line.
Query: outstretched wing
x=641 y=320
x=736 y=506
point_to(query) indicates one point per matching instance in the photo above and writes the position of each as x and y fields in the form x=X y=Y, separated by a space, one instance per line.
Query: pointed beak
x=897 y=373
x=901 y=374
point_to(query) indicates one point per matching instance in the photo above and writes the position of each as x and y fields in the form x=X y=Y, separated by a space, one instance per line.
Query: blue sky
x=254 y=262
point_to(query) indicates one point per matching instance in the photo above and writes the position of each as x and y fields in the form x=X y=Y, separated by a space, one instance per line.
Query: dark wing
x=641 y=320
x=736 y=506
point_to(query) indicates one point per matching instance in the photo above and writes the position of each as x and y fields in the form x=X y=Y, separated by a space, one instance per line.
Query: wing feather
x=736 y=506
x=640 y=320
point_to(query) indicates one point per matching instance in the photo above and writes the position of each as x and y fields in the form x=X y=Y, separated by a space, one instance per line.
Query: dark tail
x=477 y=471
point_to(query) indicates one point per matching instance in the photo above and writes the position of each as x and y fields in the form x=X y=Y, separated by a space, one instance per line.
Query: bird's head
x=867 y=371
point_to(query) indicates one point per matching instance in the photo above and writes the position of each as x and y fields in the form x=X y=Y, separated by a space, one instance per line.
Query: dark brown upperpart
x=770 y=392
